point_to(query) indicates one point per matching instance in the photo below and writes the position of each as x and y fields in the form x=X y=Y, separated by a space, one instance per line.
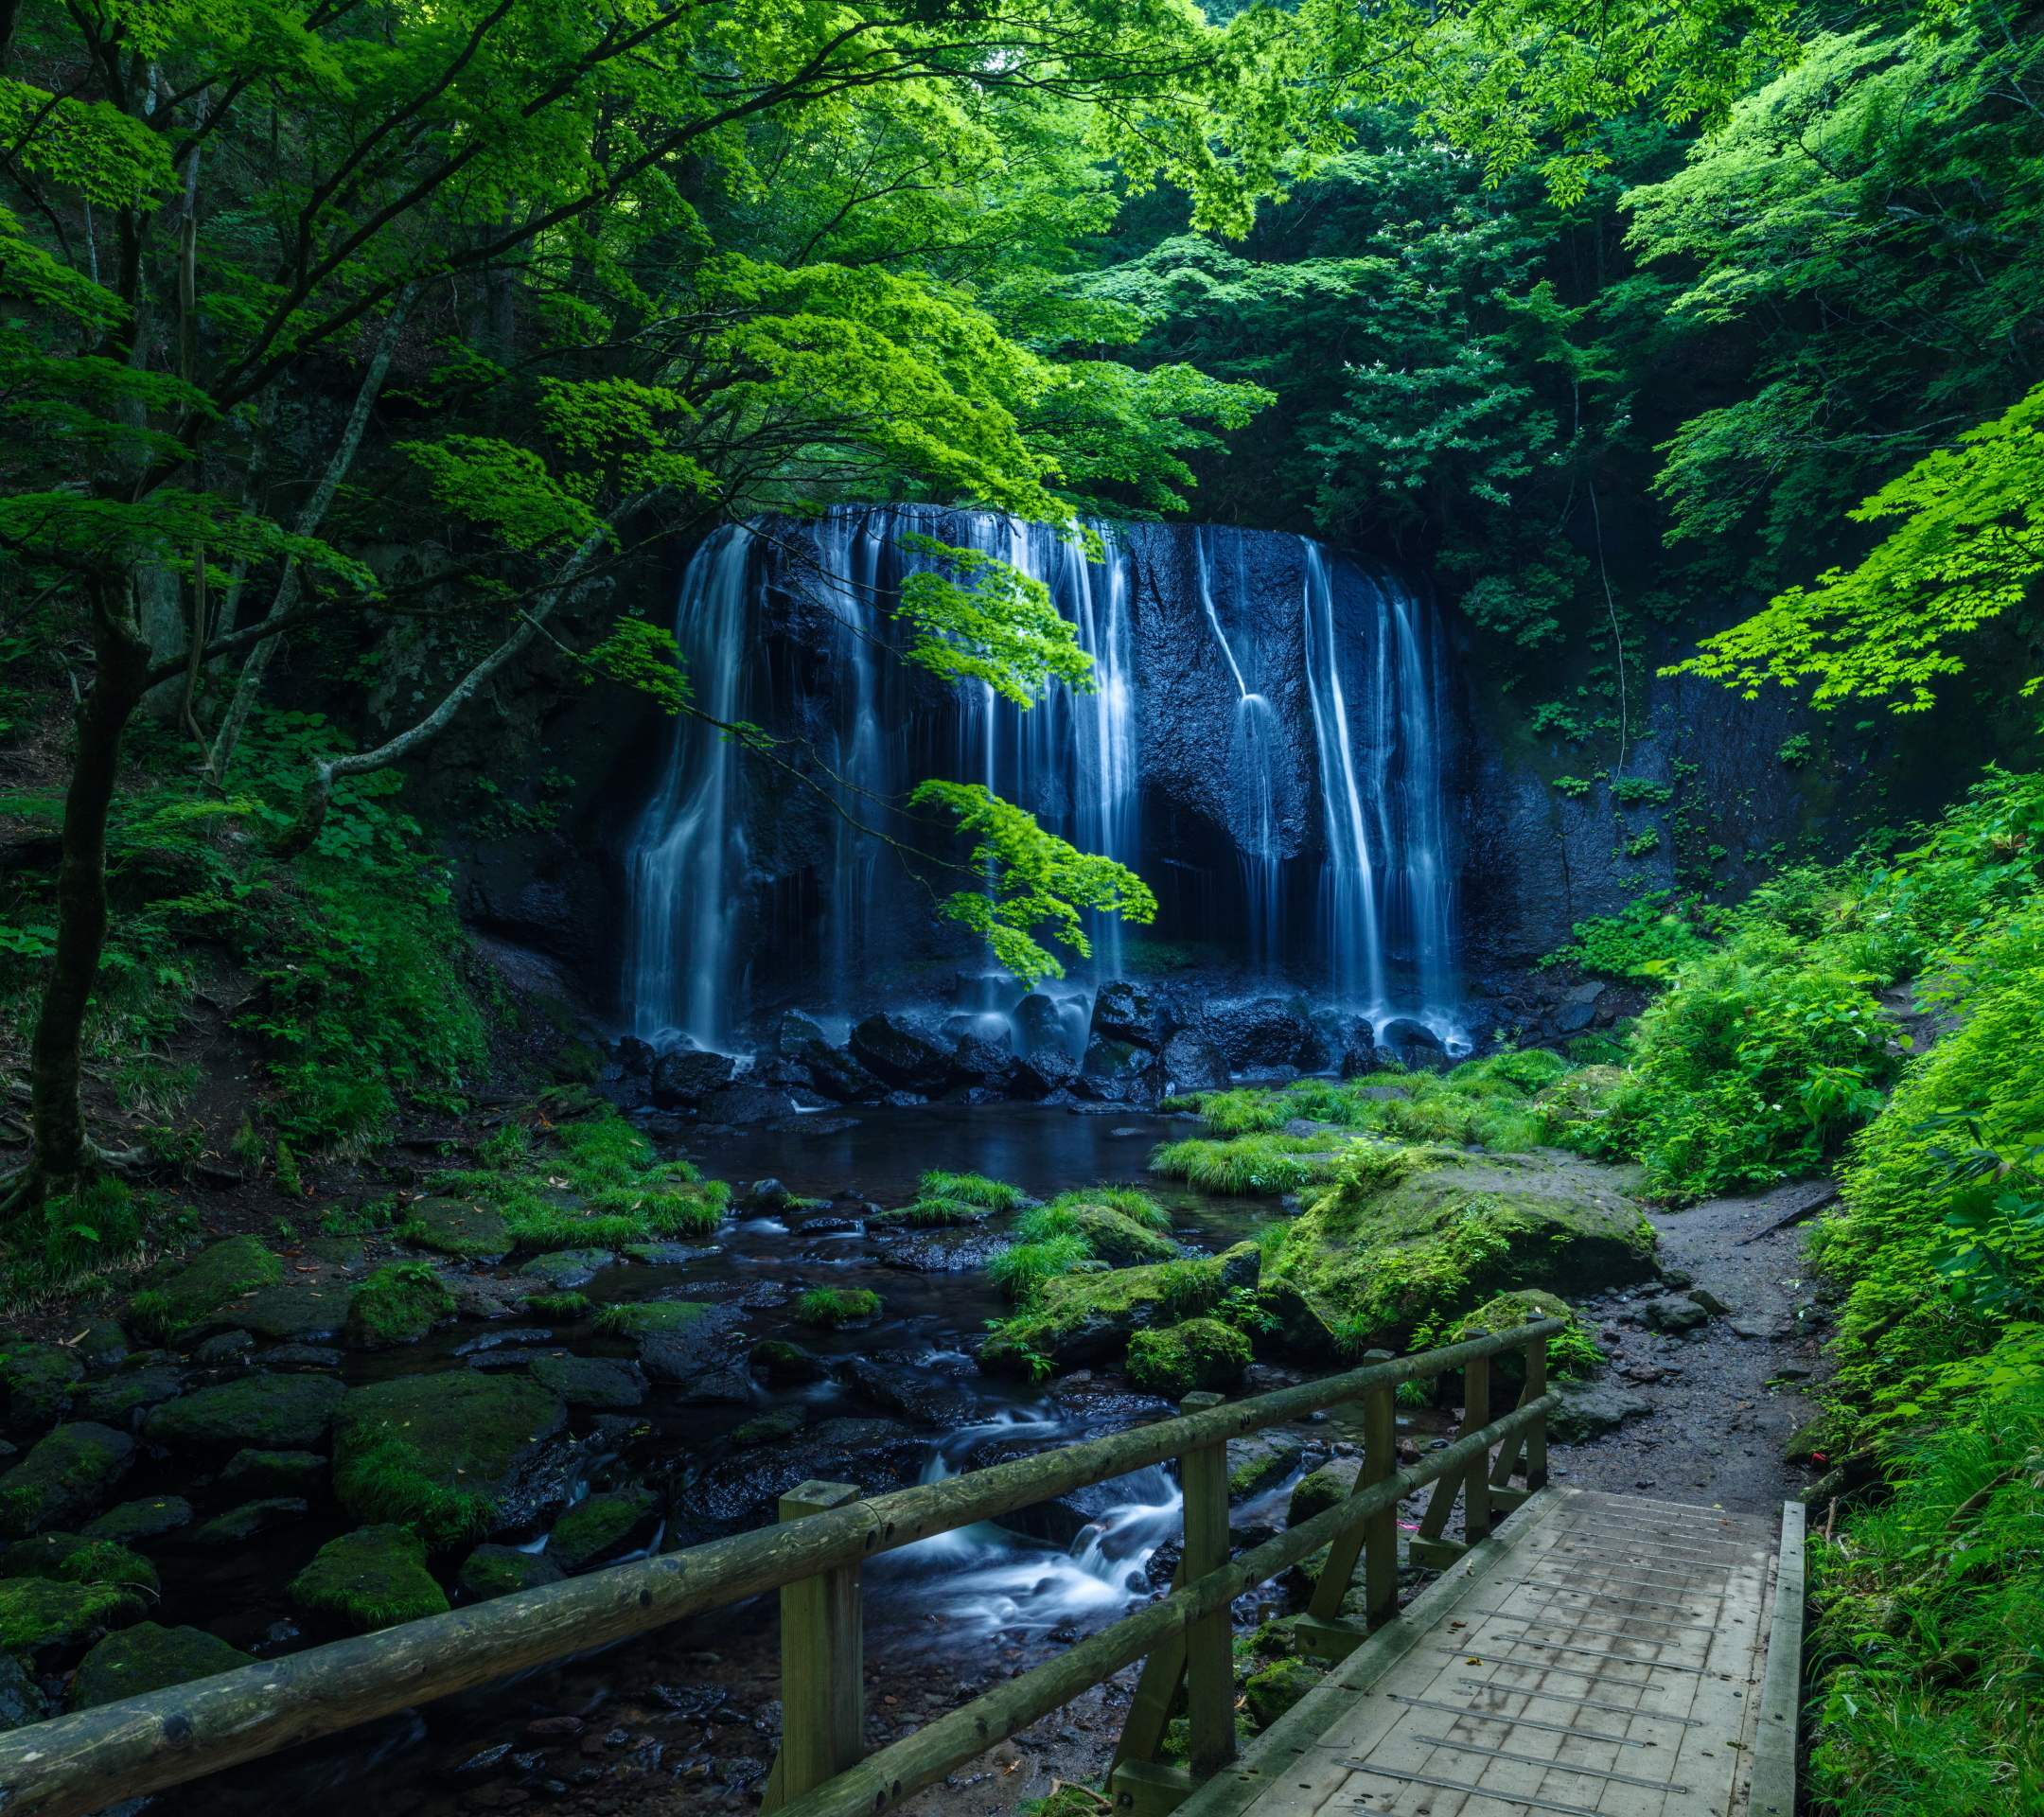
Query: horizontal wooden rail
x=74 y=1764
x=895 y=1772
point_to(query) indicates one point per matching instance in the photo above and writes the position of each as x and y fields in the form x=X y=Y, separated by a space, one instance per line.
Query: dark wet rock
x=1192 y=1063
x=486 y=1296
x=784 y=1364
x=766 y=1195
x=599 y=1527
x=900 y=1053
x=63 y=1481
x=1589 y=1409
x=102 y=1345
x=132 y=1522
x=919 y=1396
x=1059 y=1520
x=811 y=1126
x=240 y=1525
x=665 y=1255
x=293 y=1314
x=1404 y=1033
x=679 y=1340
x=300 y=1356
x=221 y=1273
x=52 y=1623
x=1270 y=1031
x=261 y=1413
x=39 y=1378
x=1126 y=1011
x=149 y=1658
x=115 y=1401
x=1674 y=1316
x=1039 y=1074
x=459 y=1430
x=834 y=1073
x=743 y=1491
x=743 y=1105
x=372 y=1578
x=261 y=1474
x=1264 y=1459
x=496 y=1340
x=515 y=1357
x=567 y=1267
x=725 y=1385
x=1318 y=1491
x=977 y=1062
x=470 y=1228
x=769 y=1429
x=43 y=1555
x=1043 y=1024
x=501 y=1570
x=1364 y=1057
x=689 y=1075
x=591 y=1381
x=945 y=1252
x=223 y=1347
x=21 y=1698
x=1128 y=1070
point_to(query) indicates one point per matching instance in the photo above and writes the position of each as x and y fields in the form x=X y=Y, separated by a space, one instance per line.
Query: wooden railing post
x=823 y=1664
x=1210 y=1644
x=1536 y=1435
x=1376 y=1541
x=1476 y=1483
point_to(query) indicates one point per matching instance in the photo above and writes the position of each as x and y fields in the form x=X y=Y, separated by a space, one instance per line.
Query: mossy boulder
x=466 y=1228
x=240 y=1525
x=1395 y=1263
x=1260 y=1460
x=293 y=1314
x=115 y=1401
x=21 y=1698
x=499 y=1570
x=259 y=1413
x=437 y=1447
x=258 y=1473
x=566 y=1268
x=591 y=1381
x=375 y=1576
x=1090 y=1319
x=1280 y=1685
x=397 y=1305
x=1319 y=1489
x=218 y=1274
x=101 y=1345
x=149 y=1658
x=39 y=1378
x=599 y=1527
x=1572 y=1352
x=929 y=1214
x=50 y=1624
x=40 y=1556
x=785 y=1364
x=68 y=1477
x=1121 y=1241
x=1198 y=1354
x=145 y=1520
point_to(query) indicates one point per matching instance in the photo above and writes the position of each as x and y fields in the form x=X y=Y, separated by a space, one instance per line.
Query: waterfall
x=1242 y=676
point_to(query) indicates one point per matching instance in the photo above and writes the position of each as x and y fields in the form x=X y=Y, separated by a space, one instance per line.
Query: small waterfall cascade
x=1266 y=744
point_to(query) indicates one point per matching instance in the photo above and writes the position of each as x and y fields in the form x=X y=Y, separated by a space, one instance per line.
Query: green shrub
x=1245 y=1113
x=1131 y=1201
x=836 y=1306
x=397 y=1305
x=1020 y=1272
x=1648 y=939
x=1250 y=1164
x=971 y=1188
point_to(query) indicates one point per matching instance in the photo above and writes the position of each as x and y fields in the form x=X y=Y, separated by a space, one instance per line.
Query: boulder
x=101 y=1345
x=678 y=1339
x=260 y=1412
x=1042 y=1024
x=260 y=1473
x=1264 y=1459
x=782 y=1362
x=1090 y=1317
x=135 y=1521
x=1435 y=1234
x=1402 y=1031
x=1280 y=1685
x=221 y=1273
x=401 y=1446
x=743 y=1105
x=736 y=1493
x=1673 y=1315
x=501 y=1570
x=598 y=1528
x=1317 y=1491
x=1270 y=1031
x=375 y=1576
x=1043 y=1070
x=1118 y=1240
x=149 y=1658
x=945 y=1252
x=688 y=1075
x=116 y=1400
x=1195 y=1353
x=1589 y=1409
x=397 y=1305
x=1363 y=1057
x=1125 y=1011
x=566 y=1268
x=833 y=1074
x=921 y=1396
x=39 y=1378
x=1116 y=1070
x=65 y=1480
x=295 y=1315
x=51 y=1624
x=977 y=1062
x=470 y=1228
x=901 y=1053
x=240 y=1525
x=591 y=1381
x=21 y=1698
x=222 y=1349
x=1192 y=1063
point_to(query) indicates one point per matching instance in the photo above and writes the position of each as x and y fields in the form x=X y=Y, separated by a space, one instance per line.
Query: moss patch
x=38 y=1378
x=1119 y=1241
x=597 y=1526
x=782 y=1362
x=222 y=1271
x=1319 y=1489
x=50 y=1623
x=1279 y=1687
x=651 y=1317
x=375 y=1576
x=930 y=1214
x=836 y=1306
x=468 y=1228
x=1198 y=1353
x=67 y=1477
x=1570 y=1354
x=1090 y=1319
x=261 y=1412
x=499 y=1570
x=559 y=1309
x=149 y=1658
x=397 y=1305
x=1396 y=1263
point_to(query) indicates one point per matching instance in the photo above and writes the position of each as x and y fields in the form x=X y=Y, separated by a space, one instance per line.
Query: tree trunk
x=64 y=1156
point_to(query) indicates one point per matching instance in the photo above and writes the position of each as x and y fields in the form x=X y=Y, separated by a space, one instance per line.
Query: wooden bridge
x=1581 y=1653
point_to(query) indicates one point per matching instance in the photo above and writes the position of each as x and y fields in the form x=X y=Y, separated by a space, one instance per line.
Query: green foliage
x=1648 y=938
x=991 y=624
x=397 y=1304
x=561 y=1309
x=1251 y=1165
x=1021 y=1271
x=971 y=1188
x=837 y=1306
x=386 y=1481
x=1247 y=1112
x=1195 y=1354
x=1033 y=878
x=1131 y=1202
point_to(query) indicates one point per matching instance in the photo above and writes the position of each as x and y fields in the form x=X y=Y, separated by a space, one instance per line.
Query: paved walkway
x=1602 y=1656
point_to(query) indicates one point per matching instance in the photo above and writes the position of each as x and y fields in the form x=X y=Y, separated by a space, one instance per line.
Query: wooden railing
x=74 y=1764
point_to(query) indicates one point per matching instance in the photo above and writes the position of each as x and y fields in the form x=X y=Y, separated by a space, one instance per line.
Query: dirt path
x=1716 y=1435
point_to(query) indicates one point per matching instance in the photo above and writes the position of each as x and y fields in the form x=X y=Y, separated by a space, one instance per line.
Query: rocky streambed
x=277 y=1440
